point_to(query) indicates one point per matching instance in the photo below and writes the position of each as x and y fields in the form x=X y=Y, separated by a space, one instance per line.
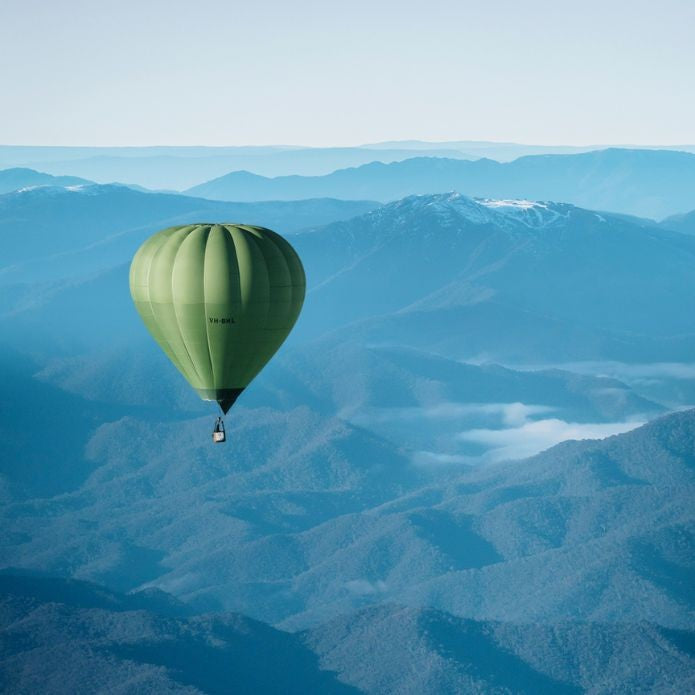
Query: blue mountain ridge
x=73 y=636
x=21 y=177
x=647 y=183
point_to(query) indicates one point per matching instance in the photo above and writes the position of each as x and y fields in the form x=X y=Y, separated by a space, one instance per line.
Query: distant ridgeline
x=648 y=183
x=652 y=183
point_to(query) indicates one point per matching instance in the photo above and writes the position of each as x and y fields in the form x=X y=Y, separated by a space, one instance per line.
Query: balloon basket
x=219 y=436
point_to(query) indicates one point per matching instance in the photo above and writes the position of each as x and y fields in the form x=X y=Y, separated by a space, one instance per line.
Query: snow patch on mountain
x=52 y=190
x=452 y=208
x=527 y=212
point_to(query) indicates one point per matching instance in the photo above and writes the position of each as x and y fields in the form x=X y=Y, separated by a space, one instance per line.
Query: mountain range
x=508 y=151
x=365 y=422
x=393 y=511
x=67 y=636
x=585 y=532
x=178 y=168
x=512 y=281
x=642 y=183
x=182 y=167
x=647 y=183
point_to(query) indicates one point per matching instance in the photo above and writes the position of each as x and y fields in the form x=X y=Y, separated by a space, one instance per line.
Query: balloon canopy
x=219 y=299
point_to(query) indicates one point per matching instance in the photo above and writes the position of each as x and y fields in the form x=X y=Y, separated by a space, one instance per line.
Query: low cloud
x=433 y=458
x=363 y=587
x=498 y=431
x=531 y=438
x=625 y=371
x=509 y=413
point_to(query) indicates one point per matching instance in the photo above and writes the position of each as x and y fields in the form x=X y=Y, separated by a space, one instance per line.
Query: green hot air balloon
x=219 y=299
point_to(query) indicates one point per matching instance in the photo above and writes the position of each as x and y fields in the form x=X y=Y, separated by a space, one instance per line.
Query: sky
x=305 y=72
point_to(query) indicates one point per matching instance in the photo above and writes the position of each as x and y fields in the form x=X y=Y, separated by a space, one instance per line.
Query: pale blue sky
x=78 y=72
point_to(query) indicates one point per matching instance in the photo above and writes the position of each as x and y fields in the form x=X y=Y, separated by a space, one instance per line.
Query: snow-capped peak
x=506 y=213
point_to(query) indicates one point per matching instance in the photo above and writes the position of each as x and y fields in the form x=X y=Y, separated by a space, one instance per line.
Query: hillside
x=684 y=223
x=65 y=636
x=68 y=231
x=305 y=517
x=412 y=402
x=448 y=655
x=446 y=273
x=62 y=636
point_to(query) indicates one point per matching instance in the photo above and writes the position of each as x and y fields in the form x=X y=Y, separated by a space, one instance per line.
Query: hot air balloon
x=219 y=299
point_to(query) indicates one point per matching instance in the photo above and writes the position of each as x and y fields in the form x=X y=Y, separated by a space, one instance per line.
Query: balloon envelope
x=219 y=299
